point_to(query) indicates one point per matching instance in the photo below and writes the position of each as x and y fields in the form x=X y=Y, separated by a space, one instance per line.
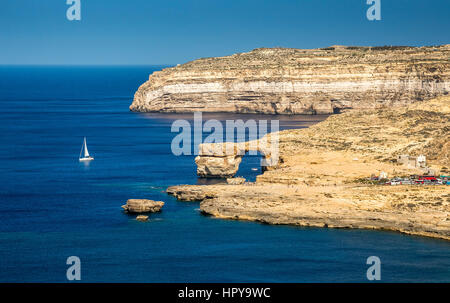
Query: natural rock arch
x=222 y=160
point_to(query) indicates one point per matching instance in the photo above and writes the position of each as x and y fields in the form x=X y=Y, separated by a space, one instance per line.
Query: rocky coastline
x=317 y=180
x=299 y=81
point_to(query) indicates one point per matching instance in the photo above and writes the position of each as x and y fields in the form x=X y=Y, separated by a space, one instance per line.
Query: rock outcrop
x=142 y=218
x=217 y=166
x=317 y=181
x=296 y=81
x=189 y=193
x=142 y=206
x=236 y=181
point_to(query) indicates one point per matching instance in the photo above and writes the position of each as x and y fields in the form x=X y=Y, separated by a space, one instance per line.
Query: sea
x=53 y=207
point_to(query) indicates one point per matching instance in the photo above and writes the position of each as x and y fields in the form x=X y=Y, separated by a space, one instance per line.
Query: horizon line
x=83 y=65
x=239 y=52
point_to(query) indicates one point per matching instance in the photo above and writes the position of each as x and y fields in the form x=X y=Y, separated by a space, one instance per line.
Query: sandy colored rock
x=217 y=166
x=319 y=178
x=236 y=181
x=414 y=210
x=142 y=206
x=142 y=218
x=189 y=193
x=222 y=159
x=299 y=81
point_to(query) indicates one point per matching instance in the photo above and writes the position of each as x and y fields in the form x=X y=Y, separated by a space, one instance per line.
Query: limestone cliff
x=297 y=81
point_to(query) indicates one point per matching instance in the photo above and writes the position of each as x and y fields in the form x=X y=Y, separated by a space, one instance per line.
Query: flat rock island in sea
x=142 y=218
x=142 y=206
x=299 y=81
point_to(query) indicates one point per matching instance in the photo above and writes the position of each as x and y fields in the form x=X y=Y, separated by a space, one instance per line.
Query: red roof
x=427 y=178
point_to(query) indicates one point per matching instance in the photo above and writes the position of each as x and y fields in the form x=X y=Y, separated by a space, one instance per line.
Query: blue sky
x=134 y=32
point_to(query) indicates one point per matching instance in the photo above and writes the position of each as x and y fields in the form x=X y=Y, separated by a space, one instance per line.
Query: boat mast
x=86 y=153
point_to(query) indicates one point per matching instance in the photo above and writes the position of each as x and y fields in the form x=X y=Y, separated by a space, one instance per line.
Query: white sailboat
x=86 y=156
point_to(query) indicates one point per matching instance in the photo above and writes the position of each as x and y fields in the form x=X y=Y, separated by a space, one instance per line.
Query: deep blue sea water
x=53 y=207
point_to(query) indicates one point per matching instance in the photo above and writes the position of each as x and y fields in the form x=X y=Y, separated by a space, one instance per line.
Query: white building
x=421 y=161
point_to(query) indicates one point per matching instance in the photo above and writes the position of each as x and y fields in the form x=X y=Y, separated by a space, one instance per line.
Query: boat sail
x=86 y=156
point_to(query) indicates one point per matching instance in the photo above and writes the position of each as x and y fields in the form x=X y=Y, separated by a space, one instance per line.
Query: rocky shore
x=317 y=180
x=299 y=81
x=420 y=211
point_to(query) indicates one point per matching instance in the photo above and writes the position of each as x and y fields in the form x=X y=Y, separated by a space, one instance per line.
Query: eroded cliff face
x=296 y=81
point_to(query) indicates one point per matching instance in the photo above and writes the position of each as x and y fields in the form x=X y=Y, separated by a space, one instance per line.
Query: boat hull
x=86 y=159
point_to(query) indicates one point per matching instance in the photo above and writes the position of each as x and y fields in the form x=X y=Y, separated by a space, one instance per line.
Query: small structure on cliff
x=412 y=162
x=383 y=175
x=419 y=162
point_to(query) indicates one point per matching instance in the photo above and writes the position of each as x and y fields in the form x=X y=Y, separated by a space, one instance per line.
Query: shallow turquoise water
x=52 y=207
